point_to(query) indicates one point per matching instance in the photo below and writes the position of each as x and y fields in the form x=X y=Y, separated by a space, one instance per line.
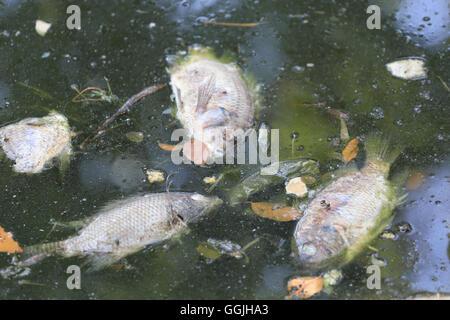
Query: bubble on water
x=418 y=108
x=93 y=64
x=298 y=68
x=45 y=55
x=377 y=113
x=398 y=122
x=151 y=25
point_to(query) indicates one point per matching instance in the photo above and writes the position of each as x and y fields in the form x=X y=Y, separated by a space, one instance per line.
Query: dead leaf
x=297 y=187
x=7 y=244
x=275 y=212
x=196 y=151
x=350 y=151
x=415 y=180
x=304 y=287
x=170 y=147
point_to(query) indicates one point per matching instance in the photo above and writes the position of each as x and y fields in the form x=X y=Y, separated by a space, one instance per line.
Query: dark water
x=304 y=52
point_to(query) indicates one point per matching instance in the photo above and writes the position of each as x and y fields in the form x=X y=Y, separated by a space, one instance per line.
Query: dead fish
x=34 y=142
x=214 y=102
x=127 y=226
x=351 y=211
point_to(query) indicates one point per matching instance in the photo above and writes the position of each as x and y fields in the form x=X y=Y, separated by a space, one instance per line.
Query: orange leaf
x=170 y=147
x=7 y=244
x=350 y=151
x=196 y=151
x=275 y=212
x=415 y=180
x=304 y=287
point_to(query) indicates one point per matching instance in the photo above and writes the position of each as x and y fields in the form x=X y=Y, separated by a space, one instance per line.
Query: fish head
x=320 y=247
x=197 y=205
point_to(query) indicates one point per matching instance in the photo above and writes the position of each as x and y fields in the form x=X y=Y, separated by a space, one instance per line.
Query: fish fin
x=204 y=94
x=214 y=117
x=76 y=224
x=64 y=162
x=398 y=181
x=34 y=254
x=381 y=150
x=98 y=261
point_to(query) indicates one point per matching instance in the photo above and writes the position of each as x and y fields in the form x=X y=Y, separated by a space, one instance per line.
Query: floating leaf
x=196 y=151
x=135 y=136
x=350 y=151
x=275 y=212
x=170 y=147
x=7 y=244
x=297 y=187
x=304 y=287
x=415 y=180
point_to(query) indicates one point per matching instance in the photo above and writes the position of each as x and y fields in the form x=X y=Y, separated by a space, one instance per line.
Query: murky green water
x=304 y=52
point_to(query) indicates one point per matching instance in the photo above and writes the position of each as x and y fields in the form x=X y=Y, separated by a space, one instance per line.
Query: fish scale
x=126 y=226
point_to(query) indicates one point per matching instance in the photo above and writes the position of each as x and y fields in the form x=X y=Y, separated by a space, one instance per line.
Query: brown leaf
x=415 y=180
x=275 y=212
x=7 y=244
x=170 y=147
x=304 y=287
x=196 y=151
x=350 y=151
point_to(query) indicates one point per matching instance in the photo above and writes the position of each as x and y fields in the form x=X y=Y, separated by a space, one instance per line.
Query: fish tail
x=35 y=253
x=381 y=153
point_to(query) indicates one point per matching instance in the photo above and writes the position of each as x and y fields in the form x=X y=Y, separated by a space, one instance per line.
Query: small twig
x=231 y=24
x=87 y=99
x=124 y=108
x=443 y=83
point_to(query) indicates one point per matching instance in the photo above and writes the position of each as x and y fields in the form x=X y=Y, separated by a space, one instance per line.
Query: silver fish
x=213 y=100
x=34 y=142
x=127 y=226
x=350 y=212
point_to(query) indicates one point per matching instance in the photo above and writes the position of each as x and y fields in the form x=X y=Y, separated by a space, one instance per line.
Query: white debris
x=42 y=27
x=409 y=68
x=155 y=176
x=296 y=187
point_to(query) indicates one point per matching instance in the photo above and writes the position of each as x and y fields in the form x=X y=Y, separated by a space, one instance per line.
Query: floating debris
x=213 y=249
x=408 y=69
x=275 y=211
x=332 y=277
x=155 y=176
x=415 y=180
x=350 y=151
x=388 y=235
x=230 y=24
x=304 y=287
x=7 y=244
x=42 y=27
x=209 y=180
x=263 y=179
x=135 y=136
x=297 y=187
x=170 y=147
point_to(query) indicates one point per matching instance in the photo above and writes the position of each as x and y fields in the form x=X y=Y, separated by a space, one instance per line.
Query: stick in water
x=124 y=108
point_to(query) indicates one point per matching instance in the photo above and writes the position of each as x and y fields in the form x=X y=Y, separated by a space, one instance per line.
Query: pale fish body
x=350 y=212
x=34 y=142
x=126 y=226
x=213 y=100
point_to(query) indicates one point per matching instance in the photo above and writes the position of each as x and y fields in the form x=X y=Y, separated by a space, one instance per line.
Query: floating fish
x=350 y=212
x=127 y=226
x=214 y=102
x=34 y=142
